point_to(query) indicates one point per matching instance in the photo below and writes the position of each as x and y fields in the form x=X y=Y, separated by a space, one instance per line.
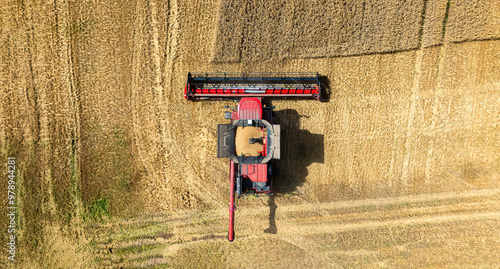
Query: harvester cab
x=251 y=141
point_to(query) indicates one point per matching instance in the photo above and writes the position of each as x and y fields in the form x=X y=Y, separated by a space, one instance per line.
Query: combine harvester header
x=233 y=86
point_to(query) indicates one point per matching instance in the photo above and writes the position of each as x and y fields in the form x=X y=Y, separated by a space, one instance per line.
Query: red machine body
x=250 y=108
x=252 y=140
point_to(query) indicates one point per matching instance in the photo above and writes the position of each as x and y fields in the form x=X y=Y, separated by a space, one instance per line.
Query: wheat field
x=400 y=168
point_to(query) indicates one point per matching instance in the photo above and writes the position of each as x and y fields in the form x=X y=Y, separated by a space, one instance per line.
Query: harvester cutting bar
x=217 y=86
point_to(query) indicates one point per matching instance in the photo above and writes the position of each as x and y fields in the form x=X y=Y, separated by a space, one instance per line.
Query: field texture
x=401 y=168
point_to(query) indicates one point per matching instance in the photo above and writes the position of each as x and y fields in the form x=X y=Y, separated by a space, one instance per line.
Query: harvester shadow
x=299 y=149
x=325 y=86
x=272 y=216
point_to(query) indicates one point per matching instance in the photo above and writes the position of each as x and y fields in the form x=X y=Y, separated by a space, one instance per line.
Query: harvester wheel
x=272 y=171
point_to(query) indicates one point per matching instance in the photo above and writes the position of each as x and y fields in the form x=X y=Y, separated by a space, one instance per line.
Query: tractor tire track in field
x=153 y=108
x=159 y=240
x=405 y=174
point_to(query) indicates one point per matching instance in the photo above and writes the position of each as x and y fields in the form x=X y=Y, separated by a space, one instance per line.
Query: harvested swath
x=471 y=64
x=473 y=20
x=258 y=30
x=101 y=52
x=40 y=119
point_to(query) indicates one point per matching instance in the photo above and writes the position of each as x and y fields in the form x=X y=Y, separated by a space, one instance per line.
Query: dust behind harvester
x=251 y=141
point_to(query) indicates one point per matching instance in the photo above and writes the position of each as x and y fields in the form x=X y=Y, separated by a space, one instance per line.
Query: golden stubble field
x=400 y=168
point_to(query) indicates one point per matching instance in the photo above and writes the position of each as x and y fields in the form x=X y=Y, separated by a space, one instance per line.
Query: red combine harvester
x=252 y=140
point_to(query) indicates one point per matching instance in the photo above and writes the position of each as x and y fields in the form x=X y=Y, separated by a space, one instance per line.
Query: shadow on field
x=299 y=149
x=272 y=216
x=325 y=88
